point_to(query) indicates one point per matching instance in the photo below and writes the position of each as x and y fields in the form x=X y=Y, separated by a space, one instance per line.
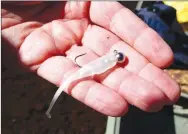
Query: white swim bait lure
x=95 y=67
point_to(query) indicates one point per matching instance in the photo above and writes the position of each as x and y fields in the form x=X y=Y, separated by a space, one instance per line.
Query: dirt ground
x=25 y=98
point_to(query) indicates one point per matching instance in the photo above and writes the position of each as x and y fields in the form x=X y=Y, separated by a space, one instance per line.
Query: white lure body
x=97 y=66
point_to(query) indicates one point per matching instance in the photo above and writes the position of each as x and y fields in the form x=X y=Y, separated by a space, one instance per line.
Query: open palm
x=49 y=40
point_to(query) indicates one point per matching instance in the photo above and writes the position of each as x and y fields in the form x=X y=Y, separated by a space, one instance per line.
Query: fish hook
x=78 y=57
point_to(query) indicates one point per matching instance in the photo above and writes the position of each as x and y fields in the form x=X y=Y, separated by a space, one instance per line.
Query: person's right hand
x=46 y=40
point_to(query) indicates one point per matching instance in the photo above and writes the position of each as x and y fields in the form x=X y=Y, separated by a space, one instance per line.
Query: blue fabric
x=162 y=19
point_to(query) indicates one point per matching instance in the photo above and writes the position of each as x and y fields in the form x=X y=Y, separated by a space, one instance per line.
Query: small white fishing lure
x=95 y=67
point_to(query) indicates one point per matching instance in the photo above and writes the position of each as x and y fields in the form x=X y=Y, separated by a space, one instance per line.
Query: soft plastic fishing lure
x=95 y=67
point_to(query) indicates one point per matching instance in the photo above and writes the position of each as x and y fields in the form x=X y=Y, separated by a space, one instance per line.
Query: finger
x=93 y=94
x=76 y=9
x=54 y=69
x=162 y=80
x=149 y=97
x=69 y=32
x=125 y=24
x=141 y=93
x=51 y=39
x=15 y=35
x=100 y=98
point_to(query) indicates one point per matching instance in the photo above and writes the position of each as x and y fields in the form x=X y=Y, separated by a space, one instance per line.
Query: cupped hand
x=48 y=36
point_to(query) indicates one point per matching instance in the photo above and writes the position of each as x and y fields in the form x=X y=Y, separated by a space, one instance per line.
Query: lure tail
x=63 y=87
x=78 y=75
x=57 y=94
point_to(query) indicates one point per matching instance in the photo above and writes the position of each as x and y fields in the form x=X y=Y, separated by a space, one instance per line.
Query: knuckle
x=153 y=102
x=175 y=94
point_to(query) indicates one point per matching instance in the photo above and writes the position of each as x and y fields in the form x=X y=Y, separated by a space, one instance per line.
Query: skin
x=46 y=39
